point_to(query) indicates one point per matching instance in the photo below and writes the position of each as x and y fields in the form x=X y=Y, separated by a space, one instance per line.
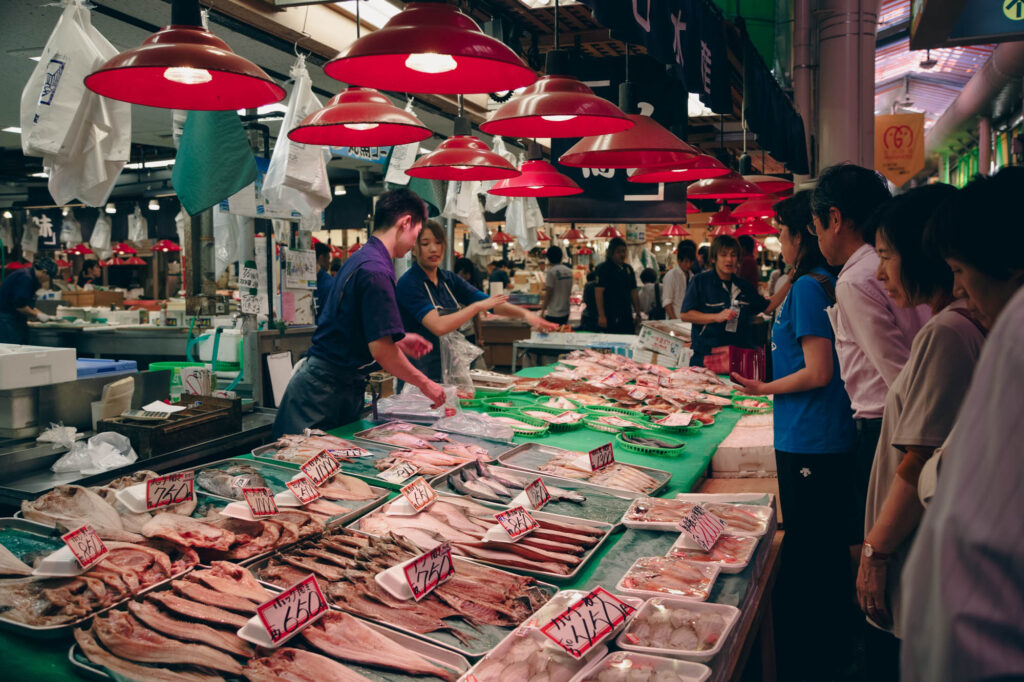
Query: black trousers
x=868 y=433
x=320 y=395
x=557 y=319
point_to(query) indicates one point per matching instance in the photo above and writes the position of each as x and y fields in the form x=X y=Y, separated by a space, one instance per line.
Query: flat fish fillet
x=71 y=506
x=190 y=532
x=296 y=665
x=231 y=579
x=12 y=565
x=191 y=609
x=133 y=671
x=205 y=595
x=343 y=487
x=127 y=638
x=189 y=631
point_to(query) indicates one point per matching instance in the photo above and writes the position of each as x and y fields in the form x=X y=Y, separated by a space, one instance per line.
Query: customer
x=557 y=288
x=814 y=442
x=919 y=410
x=778 y=276
x=678 y=279
x=720 y=306
x=17 y=299
x=335 y=266
x=703 y=260
x=749 y=269
x=90 y=274
x=588 y=318
x=873 y=334
x=615 y=291
x=323 y=275
x=465 y=269
x=500 y=273
x=650 y=295
x=963 y=606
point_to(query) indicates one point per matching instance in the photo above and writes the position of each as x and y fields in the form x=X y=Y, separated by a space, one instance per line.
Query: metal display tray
x=547 y=452
x=362 y=467
x=494 y=448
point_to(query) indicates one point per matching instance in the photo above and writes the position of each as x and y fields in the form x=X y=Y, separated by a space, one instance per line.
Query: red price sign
x=538 y=494
x=320 y=467
x=289 y=612
x=517 y=522
x=602 y=457
x=260 y=501
x=429 y=570
x=171 y=489
x=613 y=379
x=85 y=545
x=303 y=489
x=419 y=493
x=585 y=623
x=702 y=526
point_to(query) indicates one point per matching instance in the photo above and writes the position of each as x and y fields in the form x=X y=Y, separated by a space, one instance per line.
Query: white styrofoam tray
x=730 y=614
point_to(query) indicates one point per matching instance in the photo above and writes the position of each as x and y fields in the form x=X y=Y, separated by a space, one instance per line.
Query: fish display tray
x=531 y=456
x=509 y=402
x=494 y=448
x=709 y=571
x=28 y=540
x=591 y=422
x=555 y=427
x=602 y=504
x=764 y=513
x=362 y=467
x=730 y=614
x=542 y=426
x=611 y=409
x=652 y=450
x=684 y=671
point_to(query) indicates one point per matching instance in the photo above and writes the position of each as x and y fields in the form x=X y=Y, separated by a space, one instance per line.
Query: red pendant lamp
x=135 y=260
x=697 y=168
x=609 y=233
x=572 y=234
x=184 y=66
x=15 y=265
x=757 y=227
x=359 y=117
x=166 y=246
x=674 y=231
x=692 y=207
x=731 y=188
x=81 y=250
x=61 y=263
x=500 y=237
x=755 y=208
x=122 y=248
x=355 y=247
x=723 y=222
x=462 y=157
x=539 y=179
x=431 y=48
x=584 y=251
x=769 y=184
x=542 y=236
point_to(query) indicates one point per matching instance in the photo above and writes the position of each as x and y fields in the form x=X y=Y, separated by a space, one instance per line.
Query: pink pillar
x=984 y=145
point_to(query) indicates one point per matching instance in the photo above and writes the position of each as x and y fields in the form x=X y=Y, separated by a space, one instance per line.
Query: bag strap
x=826 y=284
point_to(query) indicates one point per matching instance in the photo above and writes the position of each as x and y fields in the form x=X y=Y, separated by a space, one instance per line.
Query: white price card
x=638 y=394
x=517 y=522
x=171 y=489
x=348 y=454
x=537 y=493
x=303 y=489
x=614 y=379
x=295 y=608
x=85 y=544
x=261 y=501
x=429 y=570
x=702 y=526
x=399 y=473
x=601 y=457
x=585 y=623
x=320 y=467
x=419 y=494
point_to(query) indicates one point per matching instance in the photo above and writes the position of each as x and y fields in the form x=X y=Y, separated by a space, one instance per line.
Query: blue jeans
x=320 y=395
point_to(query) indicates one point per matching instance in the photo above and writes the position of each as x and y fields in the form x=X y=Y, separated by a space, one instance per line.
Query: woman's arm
x=439 y=325
x=602 y=321
x=534 y=320
x=778 y=297
x=817 y=371
x=696 y=317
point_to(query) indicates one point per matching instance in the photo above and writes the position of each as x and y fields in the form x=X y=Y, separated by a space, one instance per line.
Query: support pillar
x=803 y=76
x=448 y=262
x=984 y=145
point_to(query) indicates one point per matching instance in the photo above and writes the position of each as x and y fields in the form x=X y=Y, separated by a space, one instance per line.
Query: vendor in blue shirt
x=360 y=328
x=435 y=302
x=323 y=274
x=720 y=306
x=17 y=299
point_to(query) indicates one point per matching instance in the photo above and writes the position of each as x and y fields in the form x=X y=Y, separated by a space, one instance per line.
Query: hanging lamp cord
x=556 y=25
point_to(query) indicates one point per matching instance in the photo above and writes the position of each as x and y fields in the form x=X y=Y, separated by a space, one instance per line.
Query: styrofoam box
x=18 y=408
x=227 y=350
x=27 y=366
x=729 y=614
x=748 y=451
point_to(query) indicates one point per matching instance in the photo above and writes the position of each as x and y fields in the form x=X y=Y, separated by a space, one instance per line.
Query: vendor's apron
x=13 y=328
x=430 y=364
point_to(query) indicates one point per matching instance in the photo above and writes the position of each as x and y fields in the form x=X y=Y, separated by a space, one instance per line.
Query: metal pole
x=984 y=145
x=448 y=263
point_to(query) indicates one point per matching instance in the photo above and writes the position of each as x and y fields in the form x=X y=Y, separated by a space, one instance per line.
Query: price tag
x=568 y=417
x=538 y=494
x=614 y=379
x=419 y=493
x=638 y=394
x=85 y=545
x=320 y=467
x=517 y=522
x=702 y=526
x=602 y=457
x=587 y=622
x=349 y=453
x=429 y=570
x=260 y=501
x=303 y=489
x=171 y=489
x=399 y=473
x=289 y=612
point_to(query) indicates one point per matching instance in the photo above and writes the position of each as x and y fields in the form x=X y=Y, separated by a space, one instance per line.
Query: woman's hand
x=491 y=303
x=602 y=321
x=539 y=323
x=749 y=386
x=871 y=590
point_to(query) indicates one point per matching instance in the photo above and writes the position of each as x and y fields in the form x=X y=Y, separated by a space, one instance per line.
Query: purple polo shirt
x=359 y=307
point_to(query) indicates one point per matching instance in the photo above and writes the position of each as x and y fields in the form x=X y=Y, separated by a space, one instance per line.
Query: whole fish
x=650 y=441
x=473 y=488
x=230 y=481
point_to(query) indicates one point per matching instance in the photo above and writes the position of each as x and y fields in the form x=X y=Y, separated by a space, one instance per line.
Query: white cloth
x=963 y=615
x=462 y=202
x=493 y=203
x=522 y=220
x=138 y=226
x=673 y=289
x=873 y=335
x=558 y=279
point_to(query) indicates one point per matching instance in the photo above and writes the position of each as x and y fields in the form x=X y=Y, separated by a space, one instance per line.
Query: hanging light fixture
x=692 y=207
x=340 y=191
x=769 y=184
x=165 y=246
x=15 y=265
x=431 y=48
x=723 y=218
x=696 y=168
x=674 y=231
x=584 y=251
x=572 y=234
x=731 y=187
x=756 y=228
x=462 y=157
x=355 y=247
x=539 y=179
x=154 y=205
x=8 y=215
x=500 y=237
x=61 y=263
x=542 y=236
x=755 y=208
x=184 y=66
x=122 y=248
x=111 y=209
x=82 y=250
x=609 y=233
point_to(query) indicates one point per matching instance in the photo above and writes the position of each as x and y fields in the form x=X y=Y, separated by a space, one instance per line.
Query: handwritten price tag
x=303 y=489
x=419 y=494
x=289 y=612
x=167 y=490
x=613 y=379
x=586 y=622
x=429 y=570
x=538 y=494
x=85 y=545
x=320 y=467
x=602 y=457
x=702 y=526
x=349 y=453
x=399 y=473
x=517 y=522
x=260 y=501
x=638 y=394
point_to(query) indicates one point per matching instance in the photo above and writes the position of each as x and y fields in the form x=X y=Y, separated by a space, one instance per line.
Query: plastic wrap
x=475 y=424
x=102 y=452
x=457 y=357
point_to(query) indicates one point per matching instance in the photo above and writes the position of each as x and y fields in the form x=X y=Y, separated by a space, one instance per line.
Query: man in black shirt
x=616 y=292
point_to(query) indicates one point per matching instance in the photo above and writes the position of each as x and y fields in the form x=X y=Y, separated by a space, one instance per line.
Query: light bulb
x=559 y=119
x=186 y=75
x=65 y=211
x=8 y=215
x=431 y=62
x=361 y=126
x=566 y=242
x=154 y=205
x=110 y=208
x=461 y=167
x=339 y=190
x=657 y=249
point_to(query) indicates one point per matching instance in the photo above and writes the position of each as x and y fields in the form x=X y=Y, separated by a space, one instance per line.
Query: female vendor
x=435 y=302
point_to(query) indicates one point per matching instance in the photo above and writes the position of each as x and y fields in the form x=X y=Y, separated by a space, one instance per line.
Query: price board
x=702 y=526
x=349 y=454
x=638 y=393
x=429 y=570
x=303 y=489
x=320 y=467
x=399 y=473
x=517 y=522
x=260 y=501
x=419 y=494
x=586 y=622
x=166 y=490
x=602 y=457
x=85 y=544
x=295 y=608
x=537 y=493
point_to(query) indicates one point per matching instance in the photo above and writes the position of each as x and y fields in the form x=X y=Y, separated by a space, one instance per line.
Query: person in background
x=90 y=274
x=650 y=295
x=703 y=259
x=554 y=304
x=17 y=298
x=173 y=282
x=720 y=306
x=360 y=327
x=873 y=334
x=323 y=277
x=335 y=266
x=615 y=291
x=678 y=279
x=465 y=269
x=778 y=276
x=963 y=605
x=814 y=441
x=500 y=273
x=749 y=269
x=588 y=318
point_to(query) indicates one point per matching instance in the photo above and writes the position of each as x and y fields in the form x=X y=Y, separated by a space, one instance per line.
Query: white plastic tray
x=686 y=671
x=710 y=571
x=729 y=613
x=685 y=542
x=763 y=513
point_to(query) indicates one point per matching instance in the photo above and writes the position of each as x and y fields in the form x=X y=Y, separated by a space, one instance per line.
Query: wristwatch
x=873 y=554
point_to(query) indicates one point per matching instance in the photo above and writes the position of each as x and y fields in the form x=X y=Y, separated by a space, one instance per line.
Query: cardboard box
x=747 y=362
x=106 y=299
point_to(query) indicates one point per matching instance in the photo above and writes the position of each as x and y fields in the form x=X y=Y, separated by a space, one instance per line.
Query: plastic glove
x=42 y=317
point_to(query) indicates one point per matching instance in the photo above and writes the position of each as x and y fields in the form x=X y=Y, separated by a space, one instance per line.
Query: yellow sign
x=1013 y=9
x=899 y=146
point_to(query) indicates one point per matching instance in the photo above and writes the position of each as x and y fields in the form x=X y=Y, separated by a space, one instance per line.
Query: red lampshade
x=608 y=233
x=542 y=236
x=675 y=231
x=538 y=179
x=61 y=263
x=697 y=168
x=81 y=250
x=645 y=144
x=359 y=117
x=573 y=235
x=584 y=251
x=355 y=247
x=336 y=251
x=731 y=187
x=431 y=48
x=755 y=208
x=723 y=230
x=121 y=248
x=15 y=265
x=183 y=66
x=769 y=184
x=500 y=237
x=691 y=207
x=135 y=260
x=756 y=228
x=723 y=217
x=462 y=157
x=166 y=245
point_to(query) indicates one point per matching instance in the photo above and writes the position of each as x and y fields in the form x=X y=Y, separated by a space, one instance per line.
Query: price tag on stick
x=303 y=489
x=517 y=522
x=419 y=494
x=702 y=526
x=429 y=570
x=320 y=467
x=167 y=490
x=399 y=473
x=85 y=544
x=537 y=493
x=260 y=501
x=292 y=610
x=586 y=622
x=602 y=457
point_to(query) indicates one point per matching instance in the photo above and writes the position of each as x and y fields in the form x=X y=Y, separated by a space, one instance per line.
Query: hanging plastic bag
x=401 y=159
x=100 y=238
x=494 y=202
x=226 y=228
x=138 y=226
x=462 y=202
x=477 y=425
x=29 y=238
x=457 y=357
x=70 y=230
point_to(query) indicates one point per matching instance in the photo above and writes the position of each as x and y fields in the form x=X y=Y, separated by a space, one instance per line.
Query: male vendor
x=360 y=327
x=323 y=274
x=17 y=298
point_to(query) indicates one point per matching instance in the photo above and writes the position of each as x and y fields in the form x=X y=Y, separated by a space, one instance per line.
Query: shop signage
x=585 y=623
x=517 y=522
x=85 y=544
x=376 y=155
x=899 y=146
x=702 y=527
x=303 y=489
x=399 y=473
x=429 y=570
x=935 y=23
x=350 y=453
x=602 y=457
x=261 y=501
x=289 y=612
x=172 y=489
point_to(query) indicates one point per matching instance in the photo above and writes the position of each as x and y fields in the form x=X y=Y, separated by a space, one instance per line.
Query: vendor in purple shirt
x=359 y=328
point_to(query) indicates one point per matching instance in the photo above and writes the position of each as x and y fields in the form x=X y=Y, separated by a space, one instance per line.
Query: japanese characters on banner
x=899 y=146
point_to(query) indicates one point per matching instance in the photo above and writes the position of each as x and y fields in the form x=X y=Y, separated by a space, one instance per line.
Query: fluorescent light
x=8 y=215
x=339 y=190
x=65 y=211
x=150 y=165
x=154 y=205
x=12 y=129
x=111 y=208
x=37 y=58
x=267 y=109
x=39 y=175
x=375 y=12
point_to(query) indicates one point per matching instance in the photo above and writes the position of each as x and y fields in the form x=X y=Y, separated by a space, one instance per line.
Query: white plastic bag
x=522 y=218
x=462 y=202
x=29 y=238
x=70 y=230
x=493 y=202
x=457 y=357
x=100 y=238
x=138 y=226
x=402 y=158
x=102 y=452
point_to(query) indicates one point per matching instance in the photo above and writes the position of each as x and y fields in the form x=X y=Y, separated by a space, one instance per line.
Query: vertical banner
x=899 y=146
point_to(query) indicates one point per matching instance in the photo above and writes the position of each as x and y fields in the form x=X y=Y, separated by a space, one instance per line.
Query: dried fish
x=229 y=482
